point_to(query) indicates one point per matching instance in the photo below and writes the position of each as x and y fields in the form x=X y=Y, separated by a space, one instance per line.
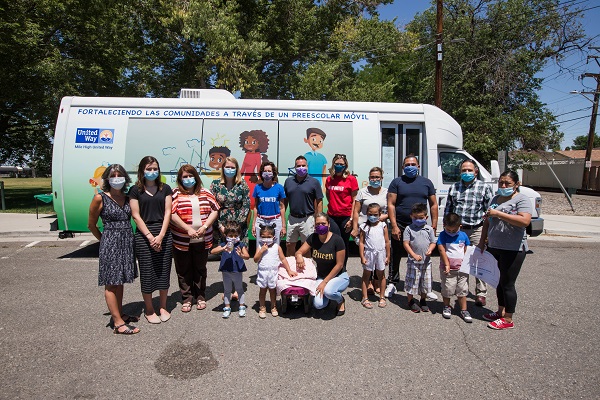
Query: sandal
x=186 y=307
x=366 y=303
x=201 y=305
x=339 y=312
x=131 y=330
x=382 y=303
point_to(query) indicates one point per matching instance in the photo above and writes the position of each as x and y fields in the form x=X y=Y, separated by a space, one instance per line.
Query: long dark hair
x=140 y=174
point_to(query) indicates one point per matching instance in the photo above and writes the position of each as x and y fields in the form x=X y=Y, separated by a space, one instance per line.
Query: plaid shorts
x=418 y=277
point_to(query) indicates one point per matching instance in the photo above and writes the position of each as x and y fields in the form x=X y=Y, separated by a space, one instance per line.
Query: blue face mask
x=506 y=192
x=188 y=182
x=419 y=222
x=229 y=172
x=467 y=176
x=339 y=168
x=411 y=171
x=372 y=218
x=151 y=175
x=375 y=184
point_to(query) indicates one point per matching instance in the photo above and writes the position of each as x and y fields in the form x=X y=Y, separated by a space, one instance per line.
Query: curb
x=571 y=233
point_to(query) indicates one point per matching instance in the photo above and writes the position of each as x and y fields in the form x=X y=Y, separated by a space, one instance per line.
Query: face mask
x=451 y=233
x=151 y=175
x=375 y=184
x=321 y=229
x=301 y=171
x=411 y=171
x=467 y=176
x=117 y=182
x=419 y=222
x=506 y=192
x=188 y=182
x=233 y=240
x=229 y=172
x=339 y=168
x=267 y=176
x=268 y=241
x=372 y=218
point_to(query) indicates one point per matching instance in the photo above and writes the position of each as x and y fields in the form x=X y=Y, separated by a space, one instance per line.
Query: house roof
x=580 y=154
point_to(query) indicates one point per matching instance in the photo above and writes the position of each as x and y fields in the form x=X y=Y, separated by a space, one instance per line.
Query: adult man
x=470 y=199
x=305 y=198
x=403 y=193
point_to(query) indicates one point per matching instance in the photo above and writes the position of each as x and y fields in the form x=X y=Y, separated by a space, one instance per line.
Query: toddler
x=452 y=245
x=419 y=242
x=374 y=249
x=232 y=265
x=268 y=256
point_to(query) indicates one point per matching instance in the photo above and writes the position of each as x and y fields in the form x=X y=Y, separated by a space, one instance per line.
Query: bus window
x=413 y=142
x=450 y=163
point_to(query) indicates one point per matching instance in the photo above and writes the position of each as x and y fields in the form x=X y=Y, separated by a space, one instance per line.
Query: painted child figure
x=419 y=241
x=234 y=252
x=452 y=245
x=269 y=256
x=374 y=249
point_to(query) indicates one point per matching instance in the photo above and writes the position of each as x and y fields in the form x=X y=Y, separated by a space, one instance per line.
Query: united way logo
x=95 y=135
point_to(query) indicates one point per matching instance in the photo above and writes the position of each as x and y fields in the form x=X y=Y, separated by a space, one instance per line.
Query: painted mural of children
x=216 y=156
x=317 y=163
x=255 y=143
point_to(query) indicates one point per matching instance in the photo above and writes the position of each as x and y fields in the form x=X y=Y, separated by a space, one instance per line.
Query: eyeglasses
x=340 y=156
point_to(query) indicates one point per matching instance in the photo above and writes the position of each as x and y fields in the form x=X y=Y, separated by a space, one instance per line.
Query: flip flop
x=186 y=307
x=201 y=305
x=366 y=303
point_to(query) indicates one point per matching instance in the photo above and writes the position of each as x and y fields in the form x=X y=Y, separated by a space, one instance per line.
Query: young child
x=374 y=249
x=419 y=242
x=232 y=265
x=268 y=256
x=452 y=245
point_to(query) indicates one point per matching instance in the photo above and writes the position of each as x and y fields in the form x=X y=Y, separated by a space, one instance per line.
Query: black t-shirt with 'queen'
x=324 y=254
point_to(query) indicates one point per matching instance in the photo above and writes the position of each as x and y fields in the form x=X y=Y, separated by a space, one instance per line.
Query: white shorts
x=267 y=278
x=375 y=260
x=300 y=228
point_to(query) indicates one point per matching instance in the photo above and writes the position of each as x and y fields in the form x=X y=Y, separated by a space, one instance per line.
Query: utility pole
x=438 y=60
x=591 y=133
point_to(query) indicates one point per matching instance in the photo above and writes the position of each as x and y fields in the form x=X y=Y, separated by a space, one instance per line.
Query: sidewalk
x=19 y=225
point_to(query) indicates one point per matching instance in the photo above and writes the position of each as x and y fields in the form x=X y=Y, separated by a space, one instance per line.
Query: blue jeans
x=333 y=291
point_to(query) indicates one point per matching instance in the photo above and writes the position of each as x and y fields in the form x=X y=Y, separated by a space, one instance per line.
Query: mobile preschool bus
x=201 y=127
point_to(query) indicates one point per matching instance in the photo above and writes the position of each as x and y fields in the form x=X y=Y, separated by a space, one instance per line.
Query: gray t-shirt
x=501 y=234
x=420 y=239
x=364 y=197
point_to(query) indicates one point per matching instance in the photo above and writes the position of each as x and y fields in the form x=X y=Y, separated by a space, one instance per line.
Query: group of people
x=182 y=223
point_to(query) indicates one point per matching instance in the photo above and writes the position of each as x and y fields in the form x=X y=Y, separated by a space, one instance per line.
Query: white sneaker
x=226 y=312
x=390 y=290
x=447 y=312
x=432 y=296
x=242 y=311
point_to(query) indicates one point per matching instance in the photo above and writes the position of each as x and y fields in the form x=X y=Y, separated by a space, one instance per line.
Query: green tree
x=581 y=142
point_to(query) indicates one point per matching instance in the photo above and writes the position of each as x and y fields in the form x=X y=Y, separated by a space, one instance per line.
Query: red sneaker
x=501 y=323
x=491 y=316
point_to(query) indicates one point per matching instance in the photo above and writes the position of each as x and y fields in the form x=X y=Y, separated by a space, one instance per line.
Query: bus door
x=397 y=141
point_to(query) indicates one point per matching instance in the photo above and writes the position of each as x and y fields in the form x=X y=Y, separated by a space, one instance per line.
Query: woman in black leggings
x=504 y=228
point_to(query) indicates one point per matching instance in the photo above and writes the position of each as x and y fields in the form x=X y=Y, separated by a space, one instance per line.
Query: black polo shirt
x=301 y=195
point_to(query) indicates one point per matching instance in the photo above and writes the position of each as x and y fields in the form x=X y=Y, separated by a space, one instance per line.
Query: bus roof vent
x=205 y=94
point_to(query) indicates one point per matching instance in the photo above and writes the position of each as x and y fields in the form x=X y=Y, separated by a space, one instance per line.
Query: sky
x=573 y=111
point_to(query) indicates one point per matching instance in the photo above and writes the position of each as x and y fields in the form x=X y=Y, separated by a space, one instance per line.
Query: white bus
x=203 y=126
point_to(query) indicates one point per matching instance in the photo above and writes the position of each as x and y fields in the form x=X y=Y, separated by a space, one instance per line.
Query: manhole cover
x=186 y=361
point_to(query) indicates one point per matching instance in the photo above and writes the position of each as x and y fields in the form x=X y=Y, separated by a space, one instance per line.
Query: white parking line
x=33 y=243
x=85 y=243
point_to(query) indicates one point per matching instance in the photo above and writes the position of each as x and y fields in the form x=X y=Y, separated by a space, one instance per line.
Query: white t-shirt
x=365 y=198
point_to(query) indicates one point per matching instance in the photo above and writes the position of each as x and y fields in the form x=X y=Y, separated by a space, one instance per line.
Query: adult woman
x=373 y=193
x=233 y=196
x=504 y=229
x=328 y=252
x=269 y=205
x=151 y=211
x=193 y=212
x=341 y=188
x=116 y=257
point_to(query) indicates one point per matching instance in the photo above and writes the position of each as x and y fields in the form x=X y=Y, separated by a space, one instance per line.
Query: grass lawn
x=19 y=192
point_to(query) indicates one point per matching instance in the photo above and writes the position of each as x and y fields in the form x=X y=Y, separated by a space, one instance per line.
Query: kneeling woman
x=328 y=252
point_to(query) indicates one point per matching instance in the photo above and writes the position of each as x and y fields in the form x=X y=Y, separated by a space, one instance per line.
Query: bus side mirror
x=495 y=170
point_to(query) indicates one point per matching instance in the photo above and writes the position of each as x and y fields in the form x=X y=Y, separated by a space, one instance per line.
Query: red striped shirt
x=182 y=206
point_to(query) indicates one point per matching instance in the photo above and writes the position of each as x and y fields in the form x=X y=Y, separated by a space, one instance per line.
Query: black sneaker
x=414 y=306
x=424 y=306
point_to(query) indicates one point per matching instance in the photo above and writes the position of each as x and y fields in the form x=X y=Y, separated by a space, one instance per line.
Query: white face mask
x=268 y=241
x=116 y=182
